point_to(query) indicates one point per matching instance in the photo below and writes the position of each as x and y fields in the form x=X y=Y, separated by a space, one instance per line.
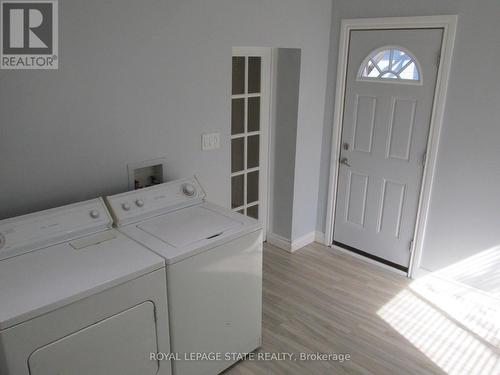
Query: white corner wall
x=284 y=139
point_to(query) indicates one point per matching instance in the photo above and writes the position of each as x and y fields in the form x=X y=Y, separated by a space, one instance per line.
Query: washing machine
x=214 y=271
x=78 y=297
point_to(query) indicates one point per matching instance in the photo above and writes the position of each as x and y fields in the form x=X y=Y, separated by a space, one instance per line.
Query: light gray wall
x=144 y=79
x=465 y=208
x=287 y=82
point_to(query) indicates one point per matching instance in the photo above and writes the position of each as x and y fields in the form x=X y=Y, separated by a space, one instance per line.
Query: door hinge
x=438 y=60
x=410 y=248
x=424 y=157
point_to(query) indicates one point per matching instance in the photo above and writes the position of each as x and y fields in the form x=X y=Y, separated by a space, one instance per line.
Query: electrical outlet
x=210 y=141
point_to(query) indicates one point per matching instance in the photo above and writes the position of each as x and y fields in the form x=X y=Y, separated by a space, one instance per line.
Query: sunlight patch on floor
x=455 y=326
x=481 y=271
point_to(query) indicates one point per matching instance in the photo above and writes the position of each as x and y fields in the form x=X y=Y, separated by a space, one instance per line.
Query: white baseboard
x=319 y=237
x=279 y=241
x=420 y=272
x=292 y=246
x=302 y=241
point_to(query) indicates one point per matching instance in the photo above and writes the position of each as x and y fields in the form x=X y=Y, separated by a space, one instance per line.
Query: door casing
x=449 y=24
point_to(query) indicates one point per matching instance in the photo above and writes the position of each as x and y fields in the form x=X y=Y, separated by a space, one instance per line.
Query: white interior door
x=391 y=77
x=251 y=70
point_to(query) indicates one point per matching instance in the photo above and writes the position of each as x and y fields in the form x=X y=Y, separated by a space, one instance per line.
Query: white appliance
x=79 y=298
x=214 y=270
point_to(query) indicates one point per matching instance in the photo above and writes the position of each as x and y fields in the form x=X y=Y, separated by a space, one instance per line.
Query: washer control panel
x=139 y=204
x=25 y=233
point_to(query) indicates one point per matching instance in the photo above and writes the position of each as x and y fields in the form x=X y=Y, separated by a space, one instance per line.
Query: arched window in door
x=390 y=64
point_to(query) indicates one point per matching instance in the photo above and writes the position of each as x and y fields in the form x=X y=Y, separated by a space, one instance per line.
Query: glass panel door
x=249 y=134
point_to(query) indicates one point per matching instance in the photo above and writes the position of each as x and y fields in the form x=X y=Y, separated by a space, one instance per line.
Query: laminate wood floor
x=322 y=300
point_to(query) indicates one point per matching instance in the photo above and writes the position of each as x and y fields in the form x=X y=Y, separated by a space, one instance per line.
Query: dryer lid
x=41 y=281
x=189 y=225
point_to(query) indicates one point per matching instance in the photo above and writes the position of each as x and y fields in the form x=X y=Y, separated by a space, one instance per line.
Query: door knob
x=345 y=161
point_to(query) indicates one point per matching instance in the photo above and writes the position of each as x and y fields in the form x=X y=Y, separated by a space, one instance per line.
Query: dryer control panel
x=140 y=204
x=25 y=233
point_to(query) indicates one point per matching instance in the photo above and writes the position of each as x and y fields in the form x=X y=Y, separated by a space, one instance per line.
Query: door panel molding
x=394 y=125
x=383 y=200
x=360 y=197
x=368 y=126
x=449 y=24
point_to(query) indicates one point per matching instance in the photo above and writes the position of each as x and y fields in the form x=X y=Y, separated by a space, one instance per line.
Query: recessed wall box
x=146 y=173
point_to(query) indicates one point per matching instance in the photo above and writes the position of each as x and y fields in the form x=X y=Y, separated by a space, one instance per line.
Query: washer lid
x=187 y=226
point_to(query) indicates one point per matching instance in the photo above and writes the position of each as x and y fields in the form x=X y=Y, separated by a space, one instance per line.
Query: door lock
x=345 y=161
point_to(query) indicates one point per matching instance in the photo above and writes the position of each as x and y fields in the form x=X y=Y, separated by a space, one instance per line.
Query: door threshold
x=379 y=261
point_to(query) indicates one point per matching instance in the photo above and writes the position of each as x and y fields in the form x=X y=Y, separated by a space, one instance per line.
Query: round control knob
x=188 y=190
x=139 y=203
x=126 y=206
x=94 y=214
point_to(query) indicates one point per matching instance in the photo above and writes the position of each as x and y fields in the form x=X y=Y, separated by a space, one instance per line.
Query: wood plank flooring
x=321 y=300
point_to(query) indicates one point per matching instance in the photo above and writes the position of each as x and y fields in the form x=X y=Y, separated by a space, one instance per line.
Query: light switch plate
x=210 y=141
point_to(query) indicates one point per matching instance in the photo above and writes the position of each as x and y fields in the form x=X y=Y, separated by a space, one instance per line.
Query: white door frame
x=265 y=127
x=449 y=24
